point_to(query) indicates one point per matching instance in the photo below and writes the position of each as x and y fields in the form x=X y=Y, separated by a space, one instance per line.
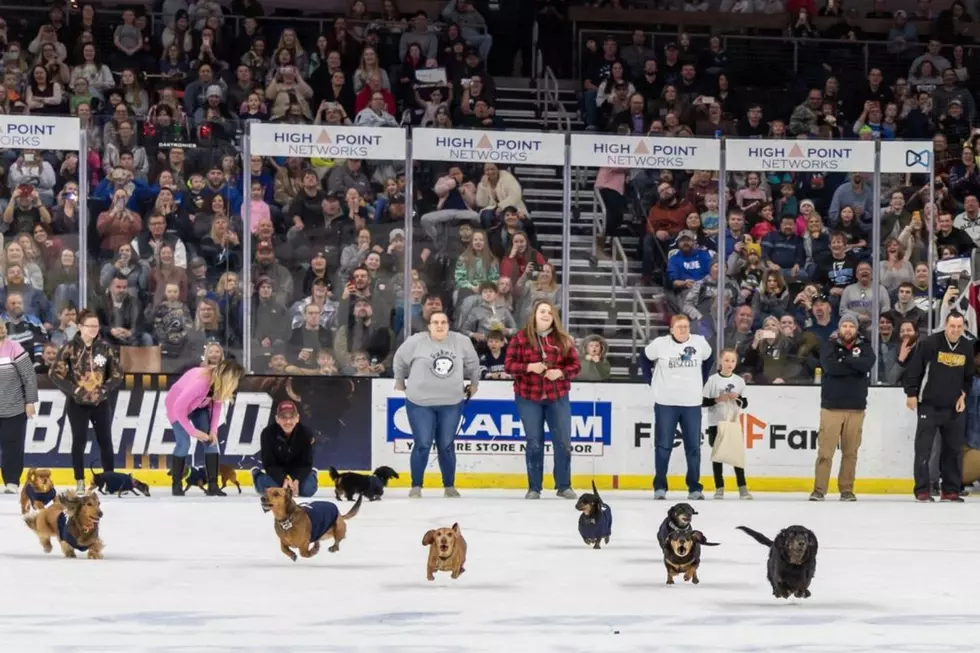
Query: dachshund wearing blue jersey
x=38 y=490
x=595 y=522
x=198 y=477
x=74 y=520
x=117 y=483
x=678 y=520
x=302 y=527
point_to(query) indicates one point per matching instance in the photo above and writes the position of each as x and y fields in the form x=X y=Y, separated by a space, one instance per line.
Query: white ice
x=206 y=574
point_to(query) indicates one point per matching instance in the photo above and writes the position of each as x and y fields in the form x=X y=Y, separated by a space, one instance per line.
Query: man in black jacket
x=846 y=361
x=937 y=382
x=287 y=455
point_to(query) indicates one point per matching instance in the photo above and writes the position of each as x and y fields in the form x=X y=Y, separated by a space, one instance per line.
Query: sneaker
x=697 y=495
x=80 y=487
x=848 y=496
x=924 y=497
x=10 y=488
x=660 y=495
x=567 y=493
x=816 y=496
x=743 y=493
x=450 y=493
x=720 y=493
x=951 y=497
x=415 y=493
x=531 y=494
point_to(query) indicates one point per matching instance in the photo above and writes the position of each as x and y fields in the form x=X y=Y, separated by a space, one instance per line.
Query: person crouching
x=287 y=455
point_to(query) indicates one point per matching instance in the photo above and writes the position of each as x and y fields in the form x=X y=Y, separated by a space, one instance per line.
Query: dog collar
x=285 y=524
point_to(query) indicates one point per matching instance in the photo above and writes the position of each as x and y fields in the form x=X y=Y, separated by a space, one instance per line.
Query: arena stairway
x=593 y=308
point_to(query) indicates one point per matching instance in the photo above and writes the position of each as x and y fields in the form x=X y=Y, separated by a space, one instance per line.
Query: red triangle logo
x=324 y=138
x=642 y=148
x=795 y=152
x=484 y=143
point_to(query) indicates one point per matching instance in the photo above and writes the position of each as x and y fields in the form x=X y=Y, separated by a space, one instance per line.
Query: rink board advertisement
x=612 y=438
x=337 y=409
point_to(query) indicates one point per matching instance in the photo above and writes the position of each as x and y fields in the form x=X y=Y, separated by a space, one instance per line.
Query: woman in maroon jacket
x=543 y=361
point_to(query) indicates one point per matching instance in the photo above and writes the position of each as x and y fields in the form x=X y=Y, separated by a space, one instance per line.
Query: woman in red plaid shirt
x=543 y=361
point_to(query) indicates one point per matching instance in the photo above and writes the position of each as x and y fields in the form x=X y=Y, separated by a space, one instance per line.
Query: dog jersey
x=323 y=515
x=44 y=497
x=666 y=528
x=376 y=485
x=602 y=527
x=67 y=537
x=116 y=482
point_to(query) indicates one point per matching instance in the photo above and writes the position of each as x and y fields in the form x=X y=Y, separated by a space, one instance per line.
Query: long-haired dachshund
x=595 y=522
x=682 y=554
x=371 y=487
x=38 y=490
x=447 y=551
x=792 y=560
x=299 y=527
x=74 y=520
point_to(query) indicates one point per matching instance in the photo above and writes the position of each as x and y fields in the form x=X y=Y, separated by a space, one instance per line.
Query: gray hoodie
x=435 y=370
x=484 y=317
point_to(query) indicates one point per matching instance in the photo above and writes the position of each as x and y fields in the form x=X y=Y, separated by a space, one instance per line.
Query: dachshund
x=682 y=554
x=372 y=487
x=38 y=490
x=595 y=522
x=447 y=551
x=198 y=477
x=678 y=520
x=299 y=527
x=117 y=483
x=792 y=560
x=74 y=520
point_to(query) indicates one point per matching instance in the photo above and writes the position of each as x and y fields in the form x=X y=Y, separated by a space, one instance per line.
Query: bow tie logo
x=913 y=158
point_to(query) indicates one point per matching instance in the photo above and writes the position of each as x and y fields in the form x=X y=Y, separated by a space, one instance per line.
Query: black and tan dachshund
x=682 y=554
x=118 y=484
x=352 y=484
x=792 y=560
x=678 y=519
x=595 y=522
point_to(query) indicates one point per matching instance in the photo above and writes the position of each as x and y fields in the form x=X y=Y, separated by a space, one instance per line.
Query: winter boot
x=211 y=467
x=177 y=476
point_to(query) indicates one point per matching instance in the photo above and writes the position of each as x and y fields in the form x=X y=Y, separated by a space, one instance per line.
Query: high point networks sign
x=317 y=141
x=606 y=150
x=38 y=133
x=803 y=155
x=478 y=146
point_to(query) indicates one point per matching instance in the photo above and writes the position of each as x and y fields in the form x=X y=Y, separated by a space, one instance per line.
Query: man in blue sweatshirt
x=689 y=264
x=783 y=249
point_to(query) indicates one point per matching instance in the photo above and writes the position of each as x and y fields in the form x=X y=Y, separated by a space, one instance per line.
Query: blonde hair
x=225 y=377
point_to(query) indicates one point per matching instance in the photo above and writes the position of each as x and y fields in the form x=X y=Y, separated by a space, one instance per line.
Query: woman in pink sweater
x=194 y=410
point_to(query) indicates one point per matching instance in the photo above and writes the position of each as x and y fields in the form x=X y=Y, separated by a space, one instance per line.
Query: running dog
x=299 y=527
x=682 y=554
x=38 y=490
x=198 y=477
x=371 y=487
x=792 y=560
x=117 y=483
x=678 y=520
x=74 y=520
x=595 y=522
x=447 y=551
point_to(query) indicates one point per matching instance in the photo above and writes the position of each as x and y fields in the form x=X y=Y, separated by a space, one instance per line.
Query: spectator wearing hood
x=488 y=316
x=592 y=358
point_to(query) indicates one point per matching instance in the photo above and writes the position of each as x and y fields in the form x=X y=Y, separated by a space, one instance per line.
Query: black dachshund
x=118 y=484
x=595 y=522
x=678 y=520
x=351 y=484
x=792 y=560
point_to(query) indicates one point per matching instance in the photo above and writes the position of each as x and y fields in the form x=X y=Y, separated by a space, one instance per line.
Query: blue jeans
x=438 y=424
x=589 y=108
x=665 y=421
x=558 y=416
x=262 y=482
x=201 y=419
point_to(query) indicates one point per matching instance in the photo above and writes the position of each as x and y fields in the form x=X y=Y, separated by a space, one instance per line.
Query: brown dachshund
x=38 y=490
x=300 y=526
x=682 y=555
x=447 y=551
x=74 y=520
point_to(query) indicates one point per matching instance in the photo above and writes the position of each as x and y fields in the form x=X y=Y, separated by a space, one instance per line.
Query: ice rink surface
x=203 y=574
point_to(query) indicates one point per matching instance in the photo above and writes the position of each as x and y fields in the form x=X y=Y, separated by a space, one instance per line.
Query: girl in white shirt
x=722 y=396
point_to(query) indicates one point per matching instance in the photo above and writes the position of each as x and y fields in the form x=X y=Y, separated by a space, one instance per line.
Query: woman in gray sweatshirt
x=435 y=364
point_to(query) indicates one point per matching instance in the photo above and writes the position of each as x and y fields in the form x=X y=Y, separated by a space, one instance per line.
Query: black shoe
x=177 y=477
x=211 y=467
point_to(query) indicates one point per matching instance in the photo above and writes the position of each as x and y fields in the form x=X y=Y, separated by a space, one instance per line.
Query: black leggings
x=13 y=430
x=79 y=417
x=716 y=467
